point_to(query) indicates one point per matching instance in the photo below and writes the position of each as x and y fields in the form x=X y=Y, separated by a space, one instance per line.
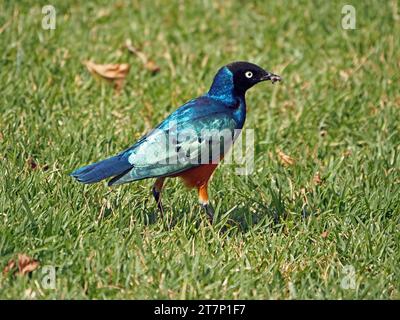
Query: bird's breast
x=198 y=176
x=239 y=114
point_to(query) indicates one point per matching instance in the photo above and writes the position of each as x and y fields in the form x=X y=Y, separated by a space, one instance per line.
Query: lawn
x=322 y=222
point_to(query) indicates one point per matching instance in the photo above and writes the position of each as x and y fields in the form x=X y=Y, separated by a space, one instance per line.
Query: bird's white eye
x=248 y=74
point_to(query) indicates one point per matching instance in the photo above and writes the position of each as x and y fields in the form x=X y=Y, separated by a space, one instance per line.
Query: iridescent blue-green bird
x=222 y=108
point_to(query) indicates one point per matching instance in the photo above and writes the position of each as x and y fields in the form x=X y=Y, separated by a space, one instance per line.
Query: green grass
x=337 y=112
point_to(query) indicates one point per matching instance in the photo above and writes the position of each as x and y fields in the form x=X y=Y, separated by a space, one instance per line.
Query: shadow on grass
x=240 y=219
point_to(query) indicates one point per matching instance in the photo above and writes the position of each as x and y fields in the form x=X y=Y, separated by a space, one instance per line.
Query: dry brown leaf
x=317 y=178
x=31 y=163
x=284 y=158
x=25 y=264
x=147 y=63
x=115 y=73
x=10 y=266
x=325 y=234
x=152 y=66
x=108 y=71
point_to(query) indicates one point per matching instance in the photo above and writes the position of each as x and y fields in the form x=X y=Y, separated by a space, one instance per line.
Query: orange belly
x=198 y=176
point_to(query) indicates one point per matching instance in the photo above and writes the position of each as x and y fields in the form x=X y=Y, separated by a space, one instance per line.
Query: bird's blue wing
x=180 y=141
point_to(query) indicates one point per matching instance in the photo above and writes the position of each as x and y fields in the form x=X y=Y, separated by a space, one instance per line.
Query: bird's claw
x=209 y=211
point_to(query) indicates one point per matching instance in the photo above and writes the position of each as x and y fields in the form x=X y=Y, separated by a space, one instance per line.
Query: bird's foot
x=209 y=211
x=157 y=197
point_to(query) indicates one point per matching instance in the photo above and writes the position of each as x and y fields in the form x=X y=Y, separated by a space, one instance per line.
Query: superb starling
x=174 y=147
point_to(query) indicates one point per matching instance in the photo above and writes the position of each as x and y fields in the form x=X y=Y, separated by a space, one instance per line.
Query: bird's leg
x=203 y=198
x=157 y=187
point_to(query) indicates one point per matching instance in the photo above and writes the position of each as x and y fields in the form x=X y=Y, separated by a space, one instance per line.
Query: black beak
x=270 y=76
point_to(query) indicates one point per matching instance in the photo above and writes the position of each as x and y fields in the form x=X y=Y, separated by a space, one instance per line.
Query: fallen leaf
x=115 y=73
x=31 y=163
x=152 y=66
x=108 y=71
x=325 y=234
x=10 y=266
x=147 y=63
x=317 y=178
x=26 y=264
x=284 y=158
x=22 y=266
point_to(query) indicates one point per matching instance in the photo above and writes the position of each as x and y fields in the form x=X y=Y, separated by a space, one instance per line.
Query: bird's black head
x=246 y=75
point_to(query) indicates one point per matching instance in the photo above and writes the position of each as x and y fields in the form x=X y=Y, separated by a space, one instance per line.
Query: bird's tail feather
x=101 y=170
